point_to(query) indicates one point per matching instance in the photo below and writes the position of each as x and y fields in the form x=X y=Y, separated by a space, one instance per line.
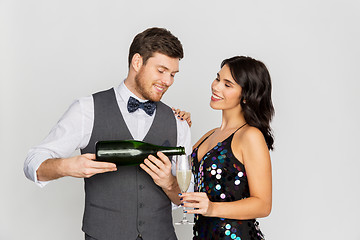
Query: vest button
x=141 y=205
x=141 y=187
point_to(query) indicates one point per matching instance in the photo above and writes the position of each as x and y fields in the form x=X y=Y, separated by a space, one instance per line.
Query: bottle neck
x=173 y=151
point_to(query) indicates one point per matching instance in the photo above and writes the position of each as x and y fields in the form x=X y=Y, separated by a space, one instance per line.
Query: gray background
x=52 y=52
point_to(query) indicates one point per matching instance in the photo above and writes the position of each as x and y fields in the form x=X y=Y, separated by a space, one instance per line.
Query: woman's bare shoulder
x=249 y=141
x=248 y=136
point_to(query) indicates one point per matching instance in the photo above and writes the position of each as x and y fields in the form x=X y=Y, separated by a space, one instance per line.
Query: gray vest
x=127 y=203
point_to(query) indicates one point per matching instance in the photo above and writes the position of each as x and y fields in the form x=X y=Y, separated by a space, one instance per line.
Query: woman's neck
x=232 y=119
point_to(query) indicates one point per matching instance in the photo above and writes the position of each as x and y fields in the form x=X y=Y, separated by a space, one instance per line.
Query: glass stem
x=184 y=215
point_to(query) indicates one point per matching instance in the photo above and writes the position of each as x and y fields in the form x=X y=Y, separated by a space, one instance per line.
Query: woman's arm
x=250 y=148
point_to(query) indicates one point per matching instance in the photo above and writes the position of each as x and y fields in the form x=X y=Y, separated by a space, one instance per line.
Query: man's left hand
x=160 y=171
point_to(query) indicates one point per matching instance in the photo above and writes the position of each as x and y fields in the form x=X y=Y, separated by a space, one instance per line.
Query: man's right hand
x=81 y=166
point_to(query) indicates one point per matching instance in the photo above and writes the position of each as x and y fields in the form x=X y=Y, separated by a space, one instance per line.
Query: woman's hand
x=199 y=201
x=182 y=115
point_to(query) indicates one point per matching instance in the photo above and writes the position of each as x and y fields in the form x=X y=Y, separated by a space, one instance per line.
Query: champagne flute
x=183 y=177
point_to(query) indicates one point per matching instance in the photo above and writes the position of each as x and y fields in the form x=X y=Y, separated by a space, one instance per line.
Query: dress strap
x=239 y=128
x=205 y=139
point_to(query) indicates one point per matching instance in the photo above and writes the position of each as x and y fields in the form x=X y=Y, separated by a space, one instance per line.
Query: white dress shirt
x=73 y=132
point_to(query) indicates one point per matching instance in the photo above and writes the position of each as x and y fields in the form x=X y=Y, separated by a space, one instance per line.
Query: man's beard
x=140 y=83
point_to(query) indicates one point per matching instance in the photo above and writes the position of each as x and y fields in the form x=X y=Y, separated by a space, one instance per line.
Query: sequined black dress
x=223 y=178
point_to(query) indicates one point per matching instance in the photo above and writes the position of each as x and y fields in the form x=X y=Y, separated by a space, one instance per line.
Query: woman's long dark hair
x=254 y=79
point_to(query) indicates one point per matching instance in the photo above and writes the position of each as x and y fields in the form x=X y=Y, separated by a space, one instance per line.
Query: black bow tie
x=148 y=106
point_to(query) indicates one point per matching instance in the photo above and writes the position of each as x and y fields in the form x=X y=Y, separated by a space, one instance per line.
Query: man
x=132 y=202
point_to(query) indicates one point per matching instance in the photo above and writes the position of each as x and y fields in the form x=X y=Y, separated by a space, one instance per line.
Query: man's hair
x=154 y=40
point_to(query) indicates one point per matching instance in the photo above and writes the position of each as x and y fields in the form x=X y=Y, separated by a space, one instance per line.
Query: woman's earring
x=244 y=101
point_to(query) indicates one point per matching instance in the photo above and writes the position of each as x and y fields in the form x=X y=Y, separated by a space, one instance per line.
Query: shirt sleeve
x=65 y=137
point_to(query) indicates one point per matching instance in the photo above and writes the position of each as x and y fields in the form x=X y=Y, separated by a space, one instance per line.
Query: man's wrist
x=51 y=169
x=61 y=167
x=173 y=185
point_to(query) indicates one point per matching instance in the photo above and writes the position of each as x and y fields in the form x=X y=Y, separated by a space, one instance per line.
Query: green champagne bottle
x=131 y=152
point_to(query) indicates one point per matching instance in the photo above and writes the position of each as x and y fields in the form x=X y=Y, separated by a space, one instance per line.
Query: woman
x=232 y=163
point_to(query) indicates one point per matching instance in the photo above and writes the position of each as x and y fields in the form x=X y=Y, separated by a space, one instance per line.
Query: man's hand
x=160 y=170
x=82 y=166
